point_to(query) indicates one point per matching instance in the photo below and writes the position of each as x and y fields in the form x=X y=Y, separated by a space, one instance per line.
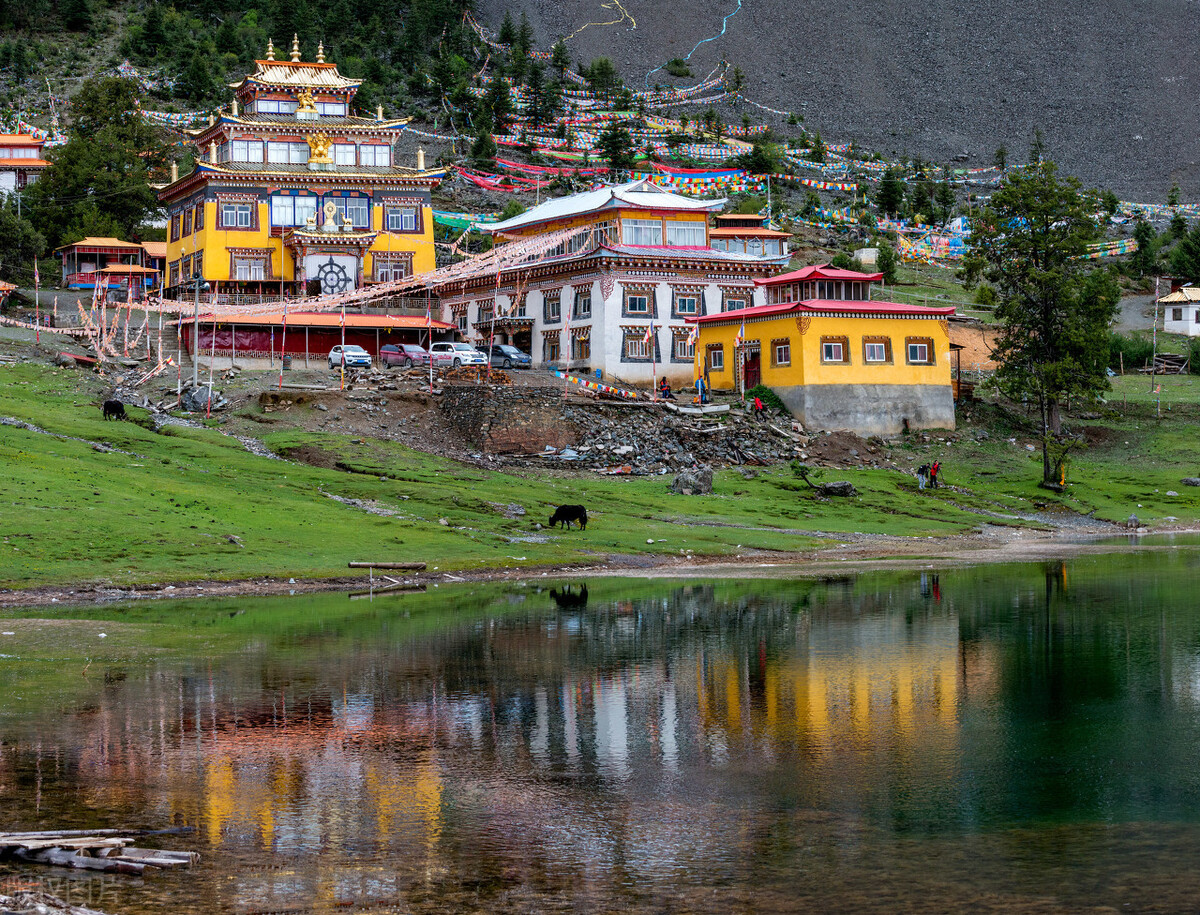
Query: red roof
x=820 y=272
x=840 y=306
x=331 y=319
x=20 y=139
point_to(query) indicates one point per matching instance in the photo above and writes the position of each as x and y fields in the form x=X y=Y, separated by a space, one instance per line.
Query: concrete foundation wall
x=870 y=409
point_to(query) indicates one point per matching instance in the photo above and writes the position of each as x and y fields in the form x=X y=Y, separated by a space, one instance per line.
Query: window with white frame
x=636 y=344
x=460 y=318
x=781 y=352
x=245 y=151
x=331 y=109
x=685 y=234
x=391 y=267
x=287 y=210
x=283 y=153
x=687 y=303
x=877 y=349
x=237 y=215
x=716 y=358
x=637 y=303
x=375 y=154
x=356 y=209
x=920 y=350
x=834 y=350
x=682 y=346
x=641 y=232
x=402 y=219
x=345 y=154
x=583 y=304
x=733 y=303
x=275 y=106
x=551 y=307
x=249 y=268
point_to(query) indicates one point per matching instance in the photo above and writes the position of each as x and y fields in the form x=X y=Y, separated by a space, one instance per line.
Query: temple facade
x=612 y=294
x=293 y=194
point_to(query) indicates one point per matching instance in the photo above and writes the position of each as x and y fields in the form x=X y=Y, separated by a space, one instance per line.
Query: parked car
x=507 y=357
x=350 y=356
x=455 y=354
x=403 y=354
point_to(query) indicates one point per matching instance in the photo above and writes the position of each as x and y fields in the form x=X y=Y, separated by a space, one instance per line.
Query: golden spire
x=270 y=49
x=295 y=48
x=320 y=52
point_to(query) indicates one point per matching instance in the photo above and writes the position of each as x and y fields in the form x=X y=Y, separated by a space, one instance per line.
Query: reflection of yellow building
x=290 y=189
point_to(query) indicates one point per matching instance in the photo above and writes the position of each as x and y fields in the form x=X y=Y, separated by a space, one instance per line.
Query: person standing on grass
x=933 y=472
x=921 y=472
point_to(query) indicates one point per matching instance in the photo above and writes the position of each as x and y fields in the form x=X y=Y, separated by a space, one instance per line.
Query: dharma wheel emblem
x=334 y=278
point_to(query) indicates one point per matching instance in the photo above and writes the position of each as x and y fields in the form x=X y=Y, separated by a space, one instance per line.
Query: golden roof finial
x=320 y=52
x=295 y=48
x=270 y=49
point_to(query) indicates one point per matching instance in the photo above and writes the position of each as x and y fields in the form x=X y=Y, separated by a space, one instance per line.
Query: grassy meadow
x=191 y=503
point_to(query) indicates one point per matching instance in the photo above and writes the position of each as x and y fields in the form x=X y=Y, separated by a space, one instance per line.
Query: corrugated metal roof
x=331 y=319
x=635 y=194
x=820 y=272
x=1181 y=296
x=93 y=241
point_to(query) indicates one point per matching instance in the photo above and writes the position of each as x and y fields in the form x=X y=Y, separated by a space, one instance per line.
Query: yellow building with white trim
x=292 y=193
x=838 y=361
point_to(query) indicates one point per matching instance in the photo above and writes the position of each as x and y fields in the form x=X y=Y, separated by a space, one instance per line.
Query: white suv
x=456 y=354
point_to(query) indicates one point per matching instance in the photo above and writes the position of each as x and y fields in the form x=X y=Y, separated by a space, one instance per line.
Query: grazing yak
x=114 y=409
x=565 y=514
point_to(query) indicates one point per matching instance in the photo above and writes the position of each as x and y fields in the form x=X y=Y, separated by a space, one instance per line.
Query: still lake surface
x=1017 y=738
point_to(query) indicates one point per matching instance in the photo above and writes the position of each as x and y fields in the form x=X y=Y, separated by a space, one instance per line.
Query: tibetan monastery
x=612 y=297
x=292 y=193
x=21 y=161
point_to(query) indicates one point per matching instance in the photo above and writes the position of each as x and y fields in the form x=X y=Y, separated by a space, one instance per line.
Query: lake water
x=1007 y=738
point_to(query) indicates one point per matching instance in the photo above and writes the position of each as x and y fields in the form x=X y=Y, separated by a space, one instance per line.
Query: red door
x=753 y=368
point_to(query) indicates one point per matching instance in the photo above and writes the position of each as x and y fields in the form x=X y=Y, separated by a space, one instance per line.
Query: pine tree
x=76 y=14
x=498 y=103
x=483 y=150
x=507 y=31
x=560 y=58
x=616 y=146
x=891 y=193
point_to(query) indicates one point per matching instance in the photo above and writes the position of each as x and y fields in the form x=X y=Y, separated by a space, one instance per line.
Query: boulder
x=195 y=400
x=1190 y=481
x=838 y=488
x=695 y=482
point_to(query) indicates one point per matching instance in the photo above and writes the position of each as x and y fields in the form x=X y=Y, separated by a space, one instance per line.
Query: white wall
x=1188 y=324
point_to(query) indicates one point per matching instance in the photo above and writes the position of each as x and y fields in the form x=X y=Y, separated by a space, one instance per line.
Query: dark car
x=405 y=355
x=508 y=357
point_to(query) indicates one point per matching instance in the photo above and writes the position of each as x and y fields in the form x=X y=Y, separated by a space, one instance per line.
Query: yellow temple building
x=292 y=194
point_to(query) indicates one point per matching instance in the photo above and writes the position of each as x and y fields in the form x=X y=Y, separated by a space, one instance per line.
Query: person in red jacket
x=933 y=474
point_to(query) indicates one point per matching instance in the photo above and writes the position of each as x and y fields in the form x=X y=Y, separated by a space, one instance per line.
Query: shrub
x=677 y=66
x=1134 y=349
x=769 y=398
x=1193 y=353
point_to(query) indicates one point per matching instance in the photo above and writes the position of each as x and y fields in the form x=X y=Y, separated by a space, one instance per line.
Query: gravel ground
x=1110 y=85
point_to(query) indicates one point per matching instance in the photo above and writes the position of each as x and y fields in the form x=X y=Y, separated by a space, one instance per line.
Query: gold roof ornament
x=270 y=49
x=318 y=149
x=304 y=99
x=295 y=48
x=320 y=52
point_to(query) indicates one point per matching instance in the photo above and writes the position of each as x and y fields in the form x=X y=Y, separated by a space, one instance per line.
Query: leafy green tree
x=1037 y=147
x=483 y=150
x=1185 y=257
x=764 y=158
x=946 y=200
x=1000 y=160
x=1146 y=255
x=602 y=76
x=154 y=34
x=890 y=198
x=197 y=83
x=76 y=14
x=20 y=244
x=99 y=182
x=498 y=104
x=616 y=147
x=512 y=209
x=886 y=261
x=1178 y=226
x=1111 y=202
x=1053 y=309
x=560 y=58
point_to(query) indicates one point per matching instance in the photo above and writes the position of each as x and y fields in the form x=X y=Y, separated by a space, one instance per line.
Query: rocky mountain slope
x=1111 y=85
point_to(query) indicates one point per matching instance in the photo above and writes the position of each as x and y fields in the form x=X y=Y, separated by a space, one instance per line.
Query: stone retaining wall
x=508 y=420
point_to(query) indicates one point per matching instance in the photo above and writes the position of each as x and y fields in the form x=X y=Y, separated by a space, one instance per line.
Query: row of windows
x=835 y=290
x=286 y=152
x=771 y=247
x=636 y=304
x=19 y=152
x=1177 y=315
x=288 y=210
x=289 y=106
x=836 y=351
x=650 y=232
x=386 y=267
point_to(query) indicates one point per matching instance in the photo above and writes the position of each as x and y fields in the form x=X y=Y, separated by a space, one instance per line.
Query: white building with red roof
x=21 y=161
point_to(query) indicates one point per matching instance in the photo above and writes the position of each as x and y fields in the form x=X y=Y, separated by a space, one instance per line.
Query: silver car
x=453 y=355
